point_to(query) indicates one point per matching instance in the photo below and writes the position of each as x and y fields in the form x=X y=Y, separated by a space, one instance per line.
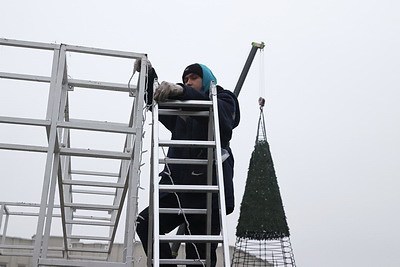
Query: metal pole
x=247 y=65
x=50 y=154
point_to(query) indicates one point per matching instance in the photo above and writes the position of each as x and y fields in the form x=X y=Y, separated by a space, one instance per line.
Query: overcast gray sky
x=331 y=71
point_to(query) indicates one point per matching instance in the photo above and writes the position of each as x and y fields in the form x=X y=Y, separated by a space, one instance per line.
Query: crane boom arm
x=239 y=84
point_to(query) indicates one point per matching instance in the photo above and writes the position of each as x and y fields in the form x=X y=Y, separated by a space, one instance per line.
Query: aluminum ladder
x=207 y=108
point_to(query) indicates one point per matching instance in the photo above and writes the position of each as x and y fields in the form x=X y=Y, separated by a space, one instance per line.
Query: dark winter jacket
x=196 y=128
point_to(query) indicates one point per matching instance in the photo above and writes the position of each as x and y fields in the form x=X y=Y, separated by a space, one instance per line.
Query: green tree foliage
x=262 y=216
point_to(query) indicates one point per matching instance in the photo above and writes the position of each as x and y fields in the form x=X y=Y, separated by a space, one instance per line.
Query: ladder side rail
x=57 y=172
x=134 y=174
x=3 y=241
x=65 y=192
x=210 y=172
x=54 y=104
x=50 y=204
x=120 y=194
x=66 y=213
x=64 y=169
x=3 y=209
x=126 y=231
x=129 y=227
x=119 y=197
x=53 y=86
x=151 y=217
x=220 y=177
x=155 y=253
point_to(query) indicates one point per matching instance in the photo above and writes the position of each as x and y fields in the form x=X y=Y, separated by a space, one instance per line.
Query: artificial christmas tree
x=262 y=233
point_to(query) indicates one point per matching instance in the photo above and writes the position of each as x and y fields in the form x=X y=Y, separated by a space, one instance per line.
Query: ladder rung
x=28 y=214
x=94 y=184
x=184 y=211
x=23 y=147
x=96 y=126
x=186 y=143
x=188 y=188
x=24 y=247
x=74 y=260
x=183 y=261
x=183 y=161
x=94 y=153
x=191 y=238
x=187 y=103
x=174 y=112
x=79 y=261
x=93 y=192
x=16 y=254
x=91 y=206
x=21 y=247
x=94 y=250
x=98 y=259
x=89 y=223
x=93 y=173
x=24 y=121
x=89 y=217
x=25 y=77
x=100 y=238
x=102 y=85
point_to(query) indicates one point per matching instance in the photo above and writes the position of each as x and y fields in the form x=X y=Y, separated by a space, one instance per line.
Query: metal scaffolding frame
x=58 y=174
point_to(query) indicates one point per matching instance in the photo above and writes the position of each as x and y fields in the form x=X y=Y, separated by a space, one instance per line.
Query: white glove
x=167 y=89
x=138 y=64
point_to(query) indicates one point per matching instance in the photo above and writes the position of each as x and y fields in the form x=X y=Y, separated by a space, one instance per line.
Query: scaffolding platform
x=76 y=190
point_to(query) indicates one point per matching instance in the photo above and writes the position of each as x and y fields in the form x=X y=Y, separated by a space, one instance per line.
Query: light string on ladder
x=144 y=111
x=180 y=207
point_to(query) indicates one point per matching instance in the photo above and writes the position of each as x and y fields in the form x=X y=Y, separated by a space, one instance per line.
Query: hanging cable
x=261 y=74
x=181 y=209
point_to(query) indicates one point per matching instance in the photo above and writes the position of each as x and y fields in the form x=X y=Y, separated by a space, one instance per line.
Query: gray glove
x=167 y=89
x=138 y=64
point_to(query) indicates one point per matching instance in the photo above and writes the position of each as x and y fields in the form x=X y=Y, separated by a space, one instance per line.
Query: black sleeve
x=167 y=121
x=152 y=75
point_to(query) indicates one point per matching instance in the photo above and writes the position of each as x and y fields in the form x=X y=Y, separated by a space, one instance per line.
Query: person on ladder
x=196 y=86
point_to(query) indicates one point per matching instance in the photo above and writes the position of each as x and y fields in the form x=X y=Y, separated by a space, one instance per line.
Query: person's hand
x=138 y=64
x=167 y=89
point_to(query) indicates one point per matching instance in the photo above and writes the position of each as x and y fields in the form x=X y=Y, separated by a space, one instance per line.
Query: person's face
x=194 y=81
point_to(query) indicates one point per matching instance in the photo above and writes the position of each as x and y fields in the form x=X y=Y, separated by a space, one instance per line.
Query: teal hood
x=204 y=72
x=208 y=76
